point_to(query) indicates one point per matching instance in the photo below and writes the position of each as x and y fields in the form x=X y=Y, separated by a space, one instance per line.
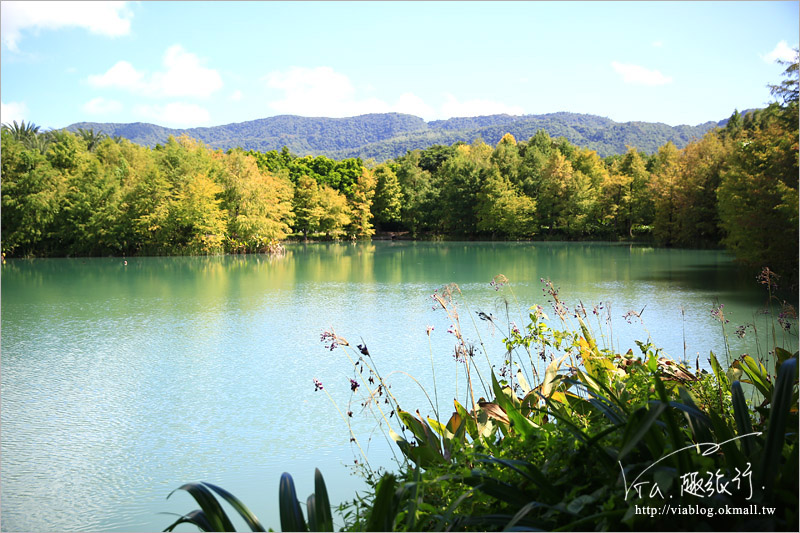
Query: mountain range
x=382 y=136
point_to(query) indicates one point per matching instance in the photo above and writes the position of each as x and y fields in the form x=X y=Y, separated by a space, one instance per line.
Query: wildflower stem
x=349 y=428
x=433 y=374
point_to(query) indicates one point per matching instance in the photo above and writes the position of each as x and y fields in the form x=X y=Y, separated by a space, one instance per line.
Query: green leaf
x=527 y=470
x=414 y=500
x=196 y=518
x=639 y=424
x=721 y=377
x=290 y=512
x=322 y=503
x=776 y=429
x=470 y=423
x=212 y=510
x=311 y=510
x=782 y=355
x=384 y=510
x=521 y=424
x=501 y=490
x=608 y=410
x=698 y=421
x=527 y=508
x=724 y=434
x=758 y=376
x=248 y=516
x=672 y=427
x=735 y=371
x=741 y=414
x=550 y=376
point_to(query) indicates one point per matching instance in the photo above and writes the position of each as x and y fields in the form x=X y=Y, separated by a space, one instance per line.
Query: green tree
x=639 y=212
x=554 y=194
x=506 y=157
x=258 y=203
x=591 y=166
x=462 y=177
x=360 y=206
x=758 y=191
x=665 y=189
x=196 y=216
x=758 y=199
x=90 y=209
x=336 y=213
x=91 y=138
x=702 y=163
x=32 y=192
x=306 y=206
x=388 y=201
x=503 y=210
x=534 y=160
x=419 y=193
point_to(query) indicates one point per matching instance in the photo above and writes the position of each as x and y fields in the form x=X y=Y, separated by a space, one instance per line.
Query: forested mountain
x=389 y=135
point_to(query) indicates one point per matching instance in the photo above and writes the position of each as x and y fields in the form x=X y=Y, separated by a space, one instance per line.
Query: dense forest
x=85 y=193
x=384 y=136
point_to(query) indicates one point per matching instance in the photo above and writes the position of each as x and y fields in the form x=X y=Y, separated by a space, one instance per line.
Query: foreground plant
x=212 y=517
x=600 y=440
x=573 y=437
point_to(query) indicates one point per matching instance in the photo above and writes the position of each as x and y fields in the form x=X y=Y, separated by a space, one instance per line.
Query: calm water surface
x=120 y=383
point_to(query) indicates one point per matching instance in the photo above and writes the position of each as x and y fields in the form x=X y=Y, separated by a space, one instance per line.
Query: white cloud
x=236 y=95
x=323 y=92
x=175 y=114
x=184 y=75
x=111 y=19
x=101 y=106
x=122 y=76
x=412 y=104
x=782 y=51
x=319 y=91
x=476 y=107
x=13 y=111
x=639 y=75
x=658 y=44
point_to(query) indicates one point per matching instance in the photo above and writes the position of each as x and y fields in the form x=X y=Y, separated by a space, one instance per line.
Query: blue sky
x=188 y=64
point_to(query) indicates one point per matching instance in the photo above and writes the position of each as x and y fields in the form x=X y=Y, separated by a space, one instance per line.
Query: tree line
x=87 y=194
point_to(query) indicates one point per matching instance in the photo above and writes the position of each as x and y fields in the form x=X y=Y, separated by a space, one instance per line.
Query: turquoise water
x=121 y=382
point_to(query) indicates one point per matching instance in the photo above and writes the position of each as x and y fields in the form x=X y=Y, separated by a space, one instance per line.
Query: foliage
x=573 y=437
x=87 y=194
x=384 y=136
x=583 y=439
x=388 y=203
x=212 y=517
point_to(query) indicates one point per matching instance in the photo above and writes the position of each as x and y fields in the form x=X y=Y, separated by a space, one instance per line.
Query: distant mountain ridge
x=382 y=136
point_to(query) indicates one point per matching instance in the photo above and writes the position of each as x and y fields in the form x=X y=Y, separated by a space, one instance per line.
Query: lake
x=122 y=382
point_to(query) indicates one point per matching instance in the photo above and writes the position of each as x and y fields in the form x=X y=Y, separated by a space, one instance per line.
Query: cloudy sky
x=187 y=64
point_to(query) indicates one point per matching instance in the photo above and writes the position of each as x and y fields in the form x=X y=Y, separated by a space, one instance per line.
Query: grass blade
x=212 y=510
x=249 y=517
x=322 y=503
x=524 y=468
x=290 y=512
x=778 y=416
x=196 y=518
x=311 y=512
x=638 y=426
x=698 y=421
x=741 y=414
x=383 y=508
x=672 y=427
